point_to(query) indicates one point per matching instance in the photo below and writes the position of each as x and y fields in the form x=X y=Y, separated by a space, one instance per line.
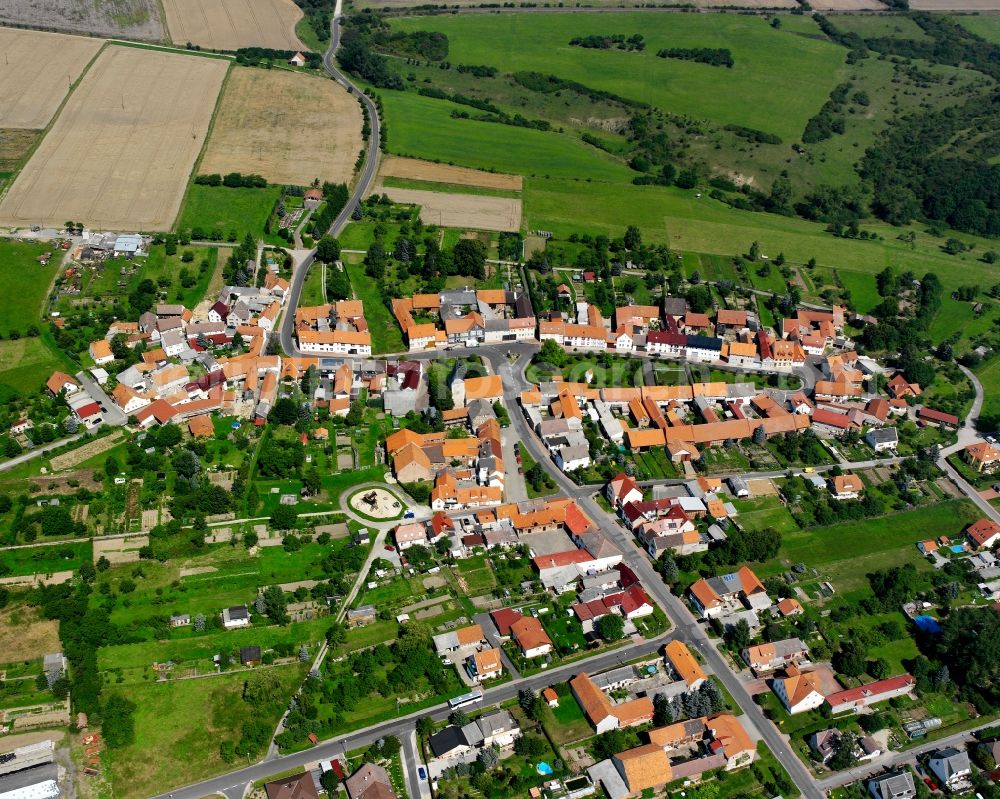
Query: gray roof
x=472 y=734
x=884 y=435
x=896 y=785
x=614 y=676
x=30 y=777
x=606 y=774
x=496 y=723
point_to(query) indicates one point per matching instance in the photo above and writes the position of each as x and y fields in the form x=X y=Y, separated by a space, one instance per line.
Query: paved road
x=38 y=451
x=111 y=413
x=367 y=177
x=233 y=783
x=685 y=625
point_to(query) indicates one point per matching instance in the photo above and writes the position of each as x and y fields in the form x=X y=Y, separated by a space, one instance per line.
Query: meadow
x=184 y=722
x=779 y=80
x=44 y=560
x=26 y=279
x=225 y=212
x=422 y=127
x=985 y=25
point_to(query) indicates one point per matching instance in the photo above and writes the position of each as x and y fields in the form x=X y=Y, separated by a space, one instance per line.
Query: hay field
x=286 y=126
x=231 y=24
x=470 y=211
x=25 y=635
x=37 y=71
x=956 y=5
x=120 y=153
x=849 y=5
x=131 y=19
x=414 y=169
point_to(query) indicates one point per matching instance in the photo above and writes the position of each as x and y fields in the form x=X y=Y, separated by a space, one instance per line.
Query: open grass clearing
x=779 y=79
x=25 y=365
x=230 y=213
x=37 y=72
x=231 y=24
x=424 y=128
x=289 y=127
x=43 y=560
x=120 y=153
x=184 y=722
x=25 y=279
x=985 y=25
x=386 y=335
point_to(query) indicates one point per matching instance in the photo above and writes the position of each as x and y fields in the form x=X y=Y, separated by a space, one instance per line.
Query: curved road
x=365 y=180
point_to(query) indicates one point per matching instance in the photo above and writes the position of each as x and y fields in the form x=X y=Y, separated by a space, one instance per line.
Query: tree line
x=713 y=56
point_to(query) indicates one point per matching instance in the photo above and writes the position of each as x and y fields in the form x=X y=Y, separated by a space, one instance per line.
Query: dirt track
x=286 y=126
x=461 y=210
x=415 y=169
x=36 y=74
x=231 y=24
x=121 y=151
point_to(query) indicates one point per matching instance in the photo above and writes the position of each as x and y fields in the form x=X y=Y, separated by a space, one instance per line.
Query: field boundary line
x=163 y=48
x=16 y=173
x=204 y=147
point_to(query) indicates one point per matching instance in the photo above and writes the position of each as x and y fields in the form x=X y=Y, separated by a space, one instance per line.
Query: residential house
x=602 y=713
x=798 y=691
x=60 y=381
x=894 y=785
x=881 y=439
x=764 y=658
x=531 y=637
x=485 y=665
x=300 y=786
x=716 y=596
x=824 y=743
x=982 y=457
x=952 y=768
x=983 y=534
x=235 y=617
x=369 y=782
x=100 y=352
x=846 y=486
x=684 y=664
x=622 y=489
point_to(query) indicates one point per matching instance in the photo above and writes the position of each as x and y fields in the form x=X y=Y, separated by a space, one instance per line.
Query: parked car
x=422 y=772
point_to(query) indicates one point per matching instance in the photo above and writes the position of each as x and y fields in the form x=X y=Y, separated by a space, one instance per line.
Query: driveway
x=111 y=414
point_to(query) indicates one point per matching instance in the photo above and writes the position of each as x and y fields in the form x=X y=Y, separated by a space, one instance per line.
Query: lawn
x=569 y=722
x=477 y=574
x=184 y=722
x=27 y=280
x=761 y=512
x=386 y=335
x=25 y=365
x=845 y=553
x=780 y=78
x=229 y=212
x=423 y=128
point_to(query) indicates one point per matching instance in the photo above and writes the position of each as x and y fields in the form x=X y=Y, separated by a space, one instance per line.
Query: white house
x=952 y=767
x=798 y=691
x=882 y=438
x=235 y=617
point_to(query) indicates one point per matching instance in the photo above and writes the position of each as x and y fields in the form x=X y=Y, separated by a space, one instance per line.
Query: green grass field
x=870 y=26
x=780 y=78
x=386 y=335
x=423 y=128
x=219 y=208
x=184 y=722
x=26 y=364
x=27 y=280
x=985 y=25
x=702 y=225
x=44 y=560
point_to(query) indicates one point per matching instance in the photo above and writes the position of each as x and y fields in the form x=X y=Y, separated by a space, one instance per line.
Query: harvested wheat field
x=132 y=19
x=471 y=211
x=231 y=24
x=286 y=126
x=121 y=151
x=415 y=169
x=36 y=74
x=956 y=5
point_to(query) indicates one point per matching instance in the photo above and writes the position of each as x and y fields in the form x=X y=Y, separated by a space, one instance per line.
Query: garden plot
x=120 y=550
x=36 y=74
x=121 y=151
x=288 y=127
x=231 y=24
x=469 y=211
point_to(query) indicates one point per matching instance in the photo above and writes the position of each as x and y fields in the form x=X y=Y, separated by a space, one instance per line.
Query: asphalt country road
x=365 y=180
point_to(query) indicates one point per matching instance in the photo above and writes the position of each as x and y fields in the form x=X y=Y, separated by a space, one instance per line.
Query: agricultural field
x=424 y=128
x=288 y=127
x=120 y=153
x=131 y=19
x=956 y=5
x=413 y=169
x=468 y=211
x=25 y=635
x=232 y=24
x=29 y=96
x=778 y=81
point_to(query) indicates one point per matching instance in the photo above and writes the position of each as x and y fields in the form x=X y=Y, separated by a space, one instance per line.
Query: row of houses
x=338 y=328
x=464 y=318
